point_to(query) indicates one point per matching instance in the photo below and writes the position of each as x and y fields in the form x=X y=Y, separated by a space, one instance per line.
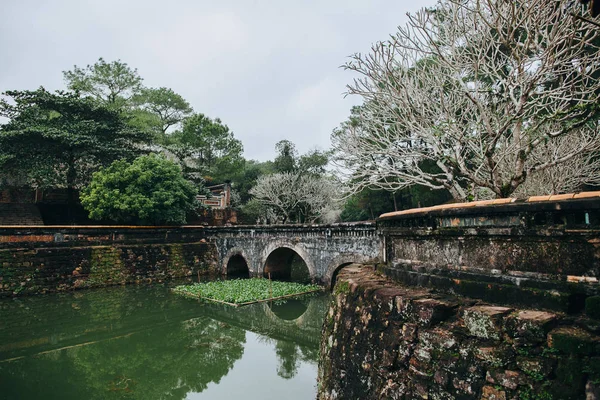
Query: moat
x=148 y=343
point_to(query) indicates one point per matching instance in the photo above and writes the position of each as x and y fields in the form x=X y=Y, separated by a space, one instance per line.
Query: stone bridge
x=263 y=250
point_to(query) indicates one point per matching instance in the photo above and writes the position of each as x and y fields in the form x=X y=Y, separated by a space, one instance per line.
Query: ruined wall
x=385 y=340
x=47 y=259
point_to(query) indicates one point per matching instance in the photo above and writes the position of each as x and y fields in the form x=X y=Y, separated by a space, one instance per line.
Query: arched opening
x=285 y=264
x=237 y=267
x=335 y=273
x=288 y=310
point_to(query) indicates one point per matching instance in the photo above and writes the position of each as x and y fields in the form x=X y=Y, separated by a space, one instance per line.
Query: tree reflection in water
x=167 y=362
x=135 y=343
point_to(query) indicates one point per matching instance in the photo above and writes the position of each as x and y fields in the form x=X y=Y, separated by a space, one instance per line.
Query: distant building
x=220 y=197
x=217 y=210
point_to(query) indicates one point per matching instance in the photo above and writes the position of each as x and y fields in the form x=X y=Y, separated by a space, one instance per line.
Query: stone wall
x=384 y=340
x=541 y=253
x=47 y=259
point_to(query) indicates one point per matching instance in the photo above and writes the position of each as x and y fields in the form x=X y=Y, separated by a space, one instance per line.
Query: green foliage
x=59 y=139
x=151 y=190
x=251 y=212
x=314 y=162
x=112 y=84
x=246 y=179
x=370 y=203
x=239 y=291
x=286 y=156
x=539 y=394
x=206 y=147
x=160 y=108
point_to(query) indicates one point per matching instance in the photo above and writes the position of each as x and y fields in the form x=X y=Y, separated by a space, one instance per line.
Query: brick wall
x=46 y=259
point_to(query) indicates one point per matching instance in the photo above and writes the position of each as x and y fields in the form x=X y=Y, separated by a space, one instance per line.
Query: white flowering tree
x=295 y=197
x=491 y=93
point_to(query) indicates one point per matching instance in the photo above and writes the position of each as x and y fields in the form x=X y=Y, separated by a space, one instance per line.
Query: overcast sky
x=268 y=69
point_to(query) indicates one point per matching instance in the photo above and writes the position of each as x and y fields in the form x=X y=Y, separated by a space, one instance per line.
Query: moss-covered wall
x=384 y=340
x=100 y=258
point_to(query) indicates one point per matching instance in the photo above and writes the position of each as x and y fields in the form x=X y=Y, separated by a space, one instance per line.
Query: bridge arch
x=339 y=262
x=275 y=247
x=237 y=263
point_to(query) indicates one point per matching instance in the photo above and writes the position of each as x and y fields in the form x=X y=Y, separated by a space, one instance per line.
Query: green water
x=147 y=343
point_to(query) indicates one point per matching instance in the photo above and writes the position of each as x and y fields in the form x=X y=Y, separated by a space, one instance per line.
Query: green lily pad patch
x=240 y=292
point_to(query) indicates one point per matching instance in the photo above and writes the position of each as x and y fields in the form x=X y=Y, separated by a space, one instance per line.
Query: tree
x=151 y=190
x=296 y=197
x=58 y=139
x=112 y=84
x=246 y=180
x=285 y=161
x=206 y=147
x=314 y=162
x=369 y=204
x=167 y=107
x=478 y=87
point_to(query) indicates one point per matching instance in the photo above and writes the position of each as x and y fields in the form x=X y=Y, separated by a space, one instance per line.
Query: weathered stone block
x=573 y=340
x=570 y=377
x=437 y=344
x=427 y=312
x=537 y=368
x=466 y=386
x=529 y=324
x=491 y=393
x=485 y=321
x=494 y=356
x=506 y=378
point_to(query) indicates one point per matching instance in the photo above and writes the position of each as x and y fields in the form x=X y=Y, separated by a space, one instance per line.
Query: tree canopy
x=114 y=84
x=151 y=190
x=206 y=148
x=164 y=107
x=294 y=197
x=488 y=91
x=59 y=139
x=293 y=188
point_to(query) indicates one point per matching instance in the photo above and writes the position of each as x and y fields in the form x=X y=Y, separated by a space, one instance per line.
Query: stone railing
x=357 y=229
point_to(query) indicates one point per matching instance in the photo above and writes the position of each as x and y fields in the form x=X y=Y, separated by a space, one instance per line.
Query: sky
x=270 y=70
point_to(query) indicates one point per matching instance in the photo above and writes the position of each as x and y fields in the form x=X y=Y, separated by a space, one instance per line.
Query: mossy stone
x=592 y=307
x=573 y=341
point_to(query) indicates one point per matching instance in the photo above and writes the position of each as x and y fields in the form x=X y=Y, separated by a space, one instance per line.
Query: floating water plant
x=239 y=292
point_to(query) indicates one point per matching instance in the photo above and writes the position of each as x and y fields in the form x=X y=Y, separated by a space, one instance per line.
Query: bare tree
x=479 y=88
x=566 y=177
x=291 y=196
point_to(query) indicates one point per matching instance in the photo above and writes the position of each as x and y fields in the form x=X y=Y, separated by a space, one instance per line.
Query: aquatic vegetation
x=242 y=291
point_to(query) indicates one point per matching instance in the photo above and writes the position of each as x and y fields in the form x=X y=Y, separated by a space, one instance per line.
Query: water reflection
x=145 y=343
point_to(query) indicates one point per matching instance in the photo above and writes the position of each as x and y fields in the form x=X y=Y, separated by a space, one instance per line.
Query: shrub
x=150 y=190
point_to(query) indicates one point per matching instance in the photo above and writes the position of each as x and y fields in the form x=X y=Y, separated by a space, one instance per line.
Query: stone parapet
x=542 y=252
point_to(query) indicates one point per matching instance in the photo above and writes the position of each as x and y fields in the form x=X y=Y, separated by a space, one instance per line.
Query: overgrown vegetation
x=151 y=190
x=240 y=291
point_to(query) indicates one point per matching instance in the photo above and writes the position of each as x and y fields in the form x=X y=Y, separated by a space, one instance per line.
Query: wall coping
x=492 y=204
x=359 y=224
